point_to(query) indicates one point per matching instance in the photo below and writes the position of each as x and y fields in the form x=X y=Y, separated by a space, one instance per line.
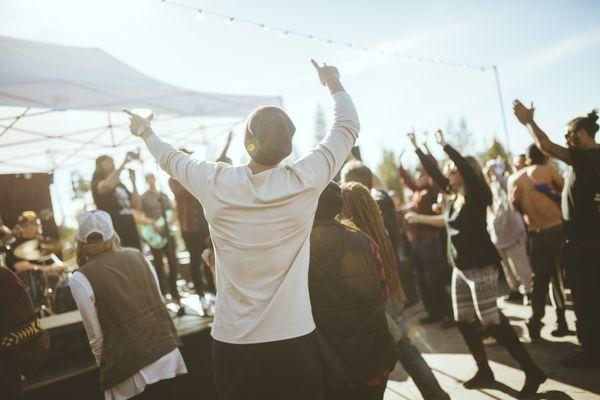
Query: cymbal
x=29 y=250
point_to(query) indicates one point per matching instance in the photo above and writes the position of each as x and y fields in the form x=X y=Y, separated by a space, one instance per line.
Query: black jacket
x=469 y=243
x=347 y=304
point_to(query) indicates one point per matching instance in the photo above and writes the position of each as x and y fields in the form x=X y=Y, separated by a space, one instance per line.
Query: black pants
x=417 y=368
x=546 y=264
x=505 y=335
x=158 y=256
x=201 y=275
x=127 y=230
x=582 y=260
x=161 y=390
x=356 y=393
x=287 y=369
x=433 y=274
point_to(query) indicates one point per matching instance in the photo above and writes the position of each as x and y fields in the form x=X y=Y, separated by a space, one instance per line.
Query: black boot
x=562 y=329
x=482 y=378
x=506 y=336
x=472 y=336
x=533 y=380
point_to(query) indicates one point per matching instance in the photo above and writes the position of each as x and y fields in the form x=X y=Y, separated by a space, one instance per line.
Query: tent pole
x=112 y=132
x=502 y=114
x=17 y=118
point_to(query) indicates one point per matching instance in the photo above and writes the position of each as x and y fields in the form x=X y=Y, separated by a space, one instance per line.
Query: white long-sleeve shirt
x=260 y=225
x=166 y=367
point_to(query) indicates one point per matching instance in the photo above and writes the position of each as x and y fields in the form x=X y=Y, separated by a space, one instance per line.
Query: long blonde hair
x=85 y=251
x=361 y=211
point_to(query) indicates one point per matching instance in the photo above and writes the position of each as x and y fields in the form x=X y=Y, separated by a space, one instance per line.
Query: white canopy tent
x=60 y=107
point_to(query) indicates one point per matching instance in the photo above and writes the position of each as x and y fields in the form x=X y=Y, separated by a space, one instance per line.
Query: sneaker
x=430 y=319
x=581 y=359
x=533 y=380
x=482 y=378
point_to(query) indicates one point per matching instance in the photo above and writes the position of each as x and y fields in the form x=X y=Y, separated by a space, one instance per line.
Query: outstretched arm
x=323 y=163
x=430 y=166
x=191 y=173
x=525 y=117
x=431 y=220
x=407 y=179
x=477 y=186
x=112 y=180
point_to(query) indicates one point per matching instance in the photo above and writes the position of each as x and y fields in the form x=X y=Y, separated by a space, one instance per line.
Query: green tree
x=387 y=170
x=460 y=137
x=496 y=149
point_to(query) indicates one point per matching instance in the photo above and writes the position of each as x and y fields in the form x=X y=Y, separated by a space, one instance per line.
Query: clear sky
x=546 y=51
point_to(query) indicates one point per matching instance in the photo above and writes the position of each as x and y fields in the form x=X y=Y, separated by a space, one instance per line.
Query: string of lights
x=203 y=14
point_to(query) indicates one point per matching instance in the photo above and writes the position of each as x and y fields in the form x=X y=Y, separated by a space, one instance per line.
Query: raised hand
x=439 y=138
x=413 y=139
x=138 y=124
x=328 y=74
x=523 y=114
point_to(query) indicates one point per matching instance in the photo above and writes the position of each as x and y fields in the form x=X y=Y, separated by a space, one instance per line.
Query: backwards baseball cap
x=95 y=227
x=269 y=133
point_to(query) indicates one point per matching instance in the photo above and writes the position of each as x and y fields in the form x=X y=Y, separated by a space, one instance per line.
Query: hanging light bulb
x=200 y=16
x=312 y=37
x=229 y=21
x=265 y=27
x=284 y=34
x=326 y=42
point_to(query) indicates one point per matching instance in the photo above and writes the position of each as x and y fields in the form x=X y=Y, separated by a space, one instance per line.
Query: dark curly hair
x=589 y=123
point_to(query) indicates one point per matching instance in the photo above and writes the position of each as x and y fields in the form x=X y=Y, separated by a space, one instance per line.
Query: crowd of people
x=305 y=260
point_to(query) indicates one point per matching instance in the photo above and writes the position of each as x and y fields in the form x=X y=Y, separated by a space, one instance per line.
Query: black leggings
x=286 y=369
x=505 y=335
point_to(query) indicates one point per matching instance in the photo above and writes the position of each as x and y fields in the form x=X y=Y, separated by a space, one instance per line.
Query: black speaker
x=22 y=192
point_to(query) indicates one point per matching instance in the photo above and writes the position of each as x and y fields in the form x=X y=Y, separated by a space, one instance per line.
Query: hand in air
x=138 y=124
x=413 y=139
x=439 y=138
x=327 y=73
x=523 y=114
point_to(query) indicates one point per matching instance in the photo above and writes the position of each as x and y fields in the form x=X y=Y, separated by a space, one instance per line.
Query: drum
x=37 y=286
x=62 y=299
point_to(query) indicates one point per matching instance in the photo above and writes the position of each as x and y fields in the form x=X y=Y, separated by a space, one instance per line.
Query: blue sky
x=546 y=51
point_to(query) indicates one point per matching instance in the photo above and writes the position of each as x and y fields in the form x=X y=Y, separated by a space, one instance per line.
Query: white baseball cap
x=95 y=221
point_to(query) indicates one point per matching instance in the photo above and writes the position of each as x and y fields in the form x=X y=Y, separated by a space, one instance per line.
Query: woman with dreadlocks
x=475 y=263
x=360 y=211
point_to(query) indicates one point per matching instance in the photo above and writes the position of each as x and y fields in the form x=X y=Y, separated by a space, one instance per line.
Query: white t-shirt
x=260 y=226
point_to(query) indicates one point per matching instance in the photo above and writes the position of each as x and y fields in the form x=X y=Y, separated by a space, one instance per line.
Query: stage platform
x=71 y=372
